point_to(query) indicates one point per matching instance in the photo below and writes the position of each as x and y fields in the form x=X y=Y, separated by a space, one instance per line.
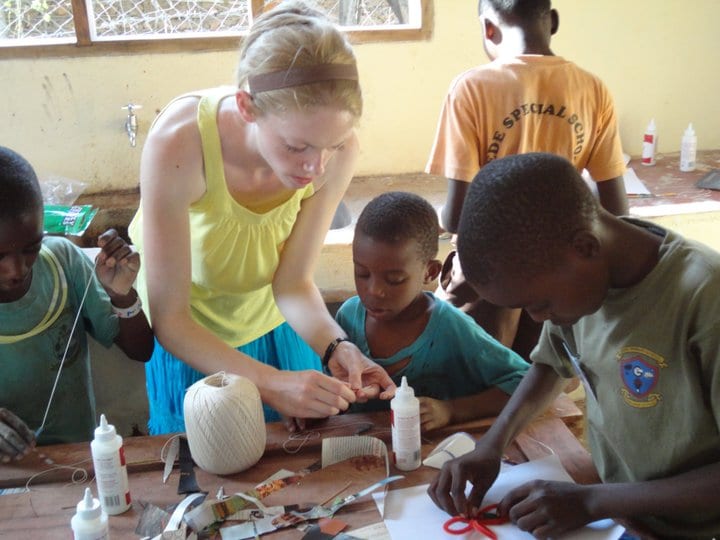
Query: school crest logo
x=639 y=372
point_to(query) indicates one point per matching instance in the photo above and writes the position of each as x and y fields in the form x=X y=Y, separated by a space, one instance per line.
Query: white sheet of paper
x=410 y=513
x=633 y=184
x=676 y=209
x=376 y=531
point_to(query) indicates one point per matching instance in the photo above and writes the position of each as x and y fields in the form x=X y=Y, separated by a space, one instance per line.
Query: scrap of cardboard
x=359 y=460
x=710 y=181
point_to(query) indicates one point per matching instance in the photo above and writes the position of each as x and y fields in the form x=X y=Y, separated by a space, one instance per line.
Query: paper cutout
x=376 y=531
x=337 y=449
x=633 y=184
x=370 y=452
x=449 y=448
x=170 y=458
x=291 y=518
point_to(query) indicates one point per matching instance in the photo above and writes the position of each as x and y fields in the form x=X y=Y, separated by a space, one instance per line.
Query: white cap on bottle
x=404 y=390
x=105 y=431
x=89 y=507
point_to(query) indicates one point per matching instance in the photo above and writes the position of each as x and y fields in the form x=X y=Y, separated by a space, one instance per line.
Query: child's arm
x=536 y=392
x=436 y=413
x=548 y=509
x=16 y=439
x=117 y=267
x=450 y=212
x=613 y=197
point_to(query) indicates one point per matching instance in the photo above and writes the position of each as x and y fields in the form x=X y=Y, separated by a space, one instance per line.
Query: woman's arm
x=171 y=179
x=294 y=287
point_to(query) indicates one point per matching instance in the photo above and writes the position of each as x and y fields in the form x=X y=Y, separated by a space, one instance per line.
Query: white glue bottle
x=649 y=140
x=90 y=522
x=405 y=423
x=688 y=150
x=110 y=469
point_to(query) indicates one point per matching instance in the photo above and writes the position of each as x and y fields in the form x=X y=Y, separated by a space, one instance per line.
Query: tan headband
x=297 y=76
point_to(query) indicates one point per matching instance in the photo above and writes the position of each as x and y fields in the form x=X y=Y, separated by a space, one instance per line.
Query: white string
x=79 y=475
x=38 y=431
x=302 y=437
x=545 y=446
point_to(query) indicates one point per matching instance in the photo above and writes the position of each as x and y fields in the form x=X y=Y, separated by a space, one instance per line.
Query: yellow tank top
x=234 y=251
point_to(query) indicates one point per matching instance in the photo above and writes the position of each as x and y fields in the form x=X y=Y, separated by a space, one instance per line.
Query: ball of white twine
x=224 y=423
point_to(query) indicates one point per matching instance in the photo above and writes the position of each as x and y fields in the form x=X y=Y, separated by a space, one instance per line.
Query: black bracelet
x=331 y=349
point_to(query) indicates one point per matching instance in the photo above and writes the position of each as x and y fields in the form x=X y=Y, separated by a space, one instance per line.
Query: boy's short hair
x=398 y=216
x=519 y=213
x=18 y=184
x=520 y=10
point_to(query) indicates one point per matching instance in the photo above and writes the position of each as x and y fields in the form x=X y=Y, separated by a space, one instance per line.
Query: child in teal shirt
x=458 y=370
x=44 y=281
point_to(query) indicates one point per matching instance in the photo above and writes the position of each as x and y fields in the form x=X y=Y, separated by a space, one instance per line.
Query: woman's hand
x=16 y=439
x=305 y=394
x=367 y=379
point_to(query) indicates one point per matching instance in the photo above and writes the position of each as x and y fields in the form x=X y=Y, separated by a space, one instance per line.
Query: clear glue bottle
x=688 y=150
x=110 y=469
x=90 y=522
x=649 y=140
x=405 y=423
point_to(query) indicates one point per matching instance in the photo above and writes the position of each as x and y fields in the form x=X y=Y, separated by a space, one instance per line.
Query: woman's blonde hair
x=295 y=35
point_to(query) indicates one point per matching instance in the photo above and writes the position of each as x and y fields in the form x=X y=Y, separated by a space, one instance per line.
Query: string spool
x=224 y=423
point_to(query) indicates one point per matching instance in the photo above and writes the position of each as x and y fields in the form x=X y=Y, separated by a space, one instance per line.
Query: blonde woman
x=239 y=186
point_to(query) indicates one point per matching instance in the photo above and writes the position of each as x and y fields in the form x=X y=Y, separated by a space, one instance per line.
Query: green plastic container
x=68 y=220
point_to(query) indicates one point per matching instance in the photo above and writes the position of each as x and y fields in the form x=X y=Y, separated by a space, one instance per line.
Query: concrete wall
x=659 y=59
x=119 y=389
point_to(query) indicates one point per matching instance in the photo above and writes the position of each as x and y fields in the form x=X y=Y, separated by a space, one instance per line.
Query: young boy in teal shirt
x=630 y=308
x=458 y=371
x=43 y=283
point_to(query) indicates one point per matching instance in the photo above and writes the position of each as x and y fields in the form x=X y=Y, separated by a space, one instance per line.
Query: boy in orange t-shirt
x=525 y=100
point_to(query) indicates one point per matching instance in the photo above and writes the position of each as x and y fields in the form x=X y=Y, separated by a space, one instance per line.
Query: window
x=86 y=23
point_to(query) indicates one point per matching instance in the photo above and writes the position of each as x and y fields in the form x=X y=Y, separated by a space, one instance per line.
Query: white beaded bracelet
x=128 y=312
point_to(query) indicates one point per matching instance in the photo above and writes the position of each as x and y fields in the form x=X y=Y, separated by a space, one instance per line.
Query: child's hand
x=548 y=509
x=434 y=413
x=117 y=264
x=366 y=378
x=366 y=393
x=16 y=439
x=292 y=424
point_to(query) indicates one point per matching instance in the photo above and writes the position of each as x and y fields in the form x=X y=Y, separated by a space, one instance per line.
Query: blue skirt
x=167 y=378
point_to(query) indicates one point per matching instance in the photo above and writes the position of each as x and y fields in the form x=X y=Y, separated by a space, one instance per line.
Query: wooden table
x=669 y=186
x=45 y=511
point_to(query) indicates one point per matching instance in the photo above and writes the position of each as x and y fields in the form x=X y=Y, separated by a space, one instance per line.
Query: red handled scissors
x=481 y=523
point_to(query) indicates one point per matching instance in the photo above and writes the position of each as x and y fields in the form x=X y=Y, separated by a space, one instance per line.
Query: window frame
x=83 y=45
